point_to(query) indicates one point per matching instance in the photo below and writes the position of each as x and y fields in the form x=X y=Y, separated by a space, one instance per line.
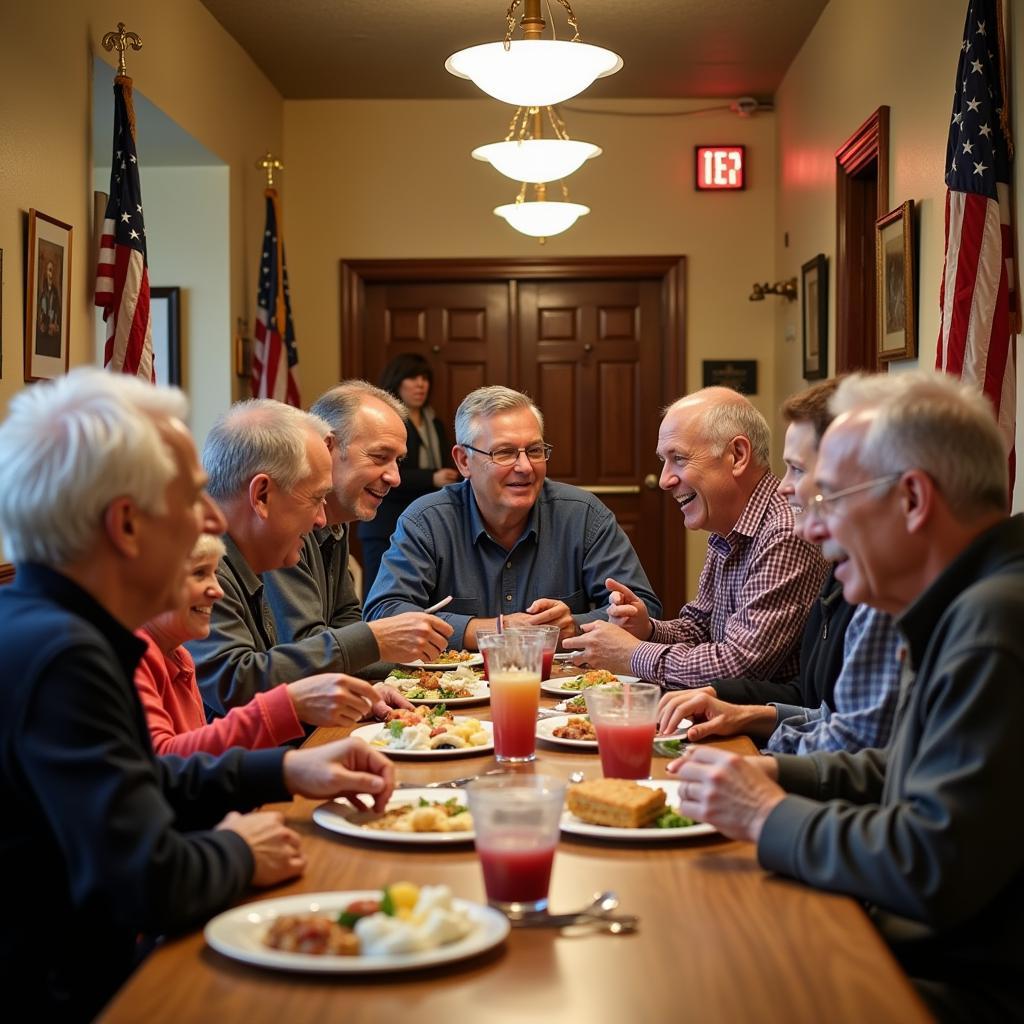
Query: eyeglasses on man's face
x=507 y=455
x=822 y=504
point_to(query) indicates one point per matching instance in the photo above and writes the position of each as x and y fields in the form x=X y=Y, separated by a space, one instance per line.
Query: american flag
x=978 y=295
x=122 y=275
x=273 y=363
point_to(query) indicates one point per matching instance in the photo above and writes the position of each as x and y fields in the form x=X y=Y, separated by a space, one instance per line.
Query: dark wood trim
x=869 y=143
x=6 y=573
x=671 y=270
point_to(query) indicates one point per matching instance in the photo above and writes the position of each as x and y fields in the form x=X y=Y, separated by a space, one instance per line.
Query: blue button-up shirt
x=570 y=545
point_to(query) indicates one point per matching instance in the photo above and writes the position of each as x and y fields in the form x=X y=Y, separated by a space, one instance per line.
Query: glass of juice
x=481 y=646
x=516 y=819
x=625 y=716
x=513 y=663
x=551 y=636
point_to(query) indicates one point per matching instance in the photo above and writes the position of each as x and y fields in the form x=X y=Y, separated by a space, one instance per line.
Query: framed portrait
x=47 y=297
x=814 y=290
x=895 y=284
x=165 y=314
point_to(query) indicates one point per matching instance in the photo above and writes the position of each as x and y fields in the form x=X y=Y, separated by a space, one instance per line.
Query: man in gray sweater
x=911 y=495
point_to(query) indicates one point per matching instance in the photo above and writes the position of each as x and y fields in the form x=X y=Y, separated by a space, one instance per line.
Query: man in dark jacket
x=912 y=493
x=104 y=846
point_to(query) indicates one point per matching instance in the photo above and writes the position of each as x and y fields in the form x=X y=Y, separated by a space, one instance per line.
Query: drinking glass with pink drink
x=516 y=819
x=625 y=716
x=481 y=646
x=551 y=636
x=514 y=661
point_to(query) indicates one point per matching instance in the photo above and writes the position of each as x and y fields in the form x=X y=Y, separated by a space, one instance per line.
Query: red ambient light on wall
x=720 y=168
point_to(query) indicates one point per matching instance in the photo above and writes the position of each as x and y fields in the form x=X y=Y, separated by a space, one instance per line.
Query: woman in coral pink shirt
x=166 y=681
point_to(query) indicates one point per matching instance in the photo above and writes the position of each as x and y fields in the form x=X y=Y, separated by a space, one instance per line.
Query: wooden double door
x=597 y=343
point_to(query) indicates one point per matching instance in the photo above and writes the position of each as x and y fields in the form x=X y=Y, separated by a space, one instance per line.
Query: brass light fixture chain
x=512 y=125
x=571 y=17
x=510 y=22
x=558 y=124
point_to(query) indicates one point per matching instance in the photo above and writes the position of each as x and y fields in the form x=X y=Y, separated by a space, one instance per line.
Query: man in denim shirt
x=505 y=540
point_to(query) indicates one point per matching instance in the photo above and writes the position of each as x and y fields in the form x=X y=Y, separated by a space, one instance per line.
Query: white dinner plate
x=443 y=666
x=370 y=732
x=238 y=933
x=566 y=686
x=481 y=695
x=341 y=817
x=546 y=728
x=573 y=826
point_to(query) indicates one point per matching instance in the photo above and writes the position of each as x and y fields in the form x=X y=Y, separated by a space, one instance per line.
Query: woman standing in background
x=427 y=466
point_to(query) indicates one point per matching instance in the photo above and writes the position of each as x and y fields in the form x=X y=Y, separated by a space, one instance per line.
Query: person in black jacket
x=106 y=847
x=427 y=466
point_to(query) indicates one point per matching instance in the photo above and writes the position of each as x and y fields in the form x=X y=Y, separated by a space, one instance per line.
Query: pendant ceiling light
x=526 y=156
x=534 y=72
x=538 y=217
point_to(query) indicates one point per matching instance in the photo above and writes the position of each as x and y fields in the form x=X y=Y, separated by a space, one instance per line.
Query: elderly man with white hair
x=911 y=484
x=105 y=847
x=759 y=579
x=270 y=470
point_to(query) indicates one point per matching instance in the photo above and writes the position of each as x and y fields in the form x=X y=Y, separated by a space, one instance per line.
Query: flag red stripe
x=968 y=246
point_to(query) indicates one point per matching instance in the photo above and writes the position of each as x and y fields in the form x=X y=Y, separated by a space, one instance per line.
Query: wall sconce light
x=785 y=288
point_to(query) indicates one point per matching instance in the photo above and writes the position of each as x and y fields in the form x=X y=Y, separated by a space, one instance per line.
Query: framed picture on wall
x=164 y=306
x=895 y=284
x=47 y=297
x=814 y=289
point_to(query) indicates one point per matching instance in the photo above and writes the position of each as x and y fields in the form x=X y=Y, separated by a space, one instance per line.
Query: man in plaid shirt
x=759 y=579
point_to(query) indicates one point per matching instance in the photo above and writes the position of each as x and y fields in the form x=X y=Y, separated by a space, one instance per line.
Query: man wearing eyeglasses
x=505 y=540
x=911 y=487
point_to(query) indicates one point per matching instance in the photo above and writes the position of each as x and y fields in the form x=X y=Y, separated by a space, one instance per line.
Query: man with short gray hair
x=911 y=485
x=107 y=847
x=367 y=441
x=759 y=580
x=505 y=540
x=270 y=469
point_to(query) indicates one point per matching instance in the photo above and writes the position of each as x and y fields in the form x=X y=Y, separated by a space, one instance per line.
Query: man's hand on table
x=343 y=768
x=626 y=610
x=411 y=635
x=332 y=699
x=546 y=611
x=276 y=849
x=603 y=645
x=711 y=716
x=735 y=794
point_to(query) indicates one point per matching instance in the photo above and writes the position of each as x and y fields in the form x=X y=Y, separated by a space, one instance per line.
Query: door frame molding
x=669 y=271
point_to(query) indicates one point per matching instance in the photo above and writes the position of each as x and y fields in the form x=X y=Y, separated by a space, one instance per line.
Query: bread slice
x=617 y=803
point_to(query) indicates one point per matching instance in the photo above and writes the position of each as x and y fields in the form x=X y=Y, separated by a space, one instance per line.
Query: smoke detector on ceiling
x=745 y=106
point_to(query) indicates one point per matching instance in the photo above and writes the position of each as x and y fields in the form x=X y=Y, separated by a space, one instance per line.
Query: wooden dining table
x=720 y=939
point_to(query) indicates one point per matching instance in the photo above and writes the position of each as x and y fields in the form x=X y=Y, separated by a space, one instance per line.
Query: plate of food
x=401 y=928
x=447 y=660
x=571 y=685
x=412 y=816
x=568 y=731
x=637 y=812
x=453 y=689
x=428 y=732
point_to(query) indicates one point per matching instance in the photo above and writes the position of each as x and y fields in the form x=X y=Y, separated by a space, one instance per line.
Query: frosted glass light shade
x=533 y=72
x=542 y=219
x=537 y=160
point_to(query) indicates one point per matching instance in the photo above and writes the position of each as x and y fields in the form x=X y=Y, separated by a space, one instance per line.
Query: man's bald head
x=725 y=414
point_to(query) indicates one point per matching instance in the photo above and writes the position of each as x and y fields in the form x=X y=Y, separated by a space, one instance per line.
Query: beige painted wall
x=379 y=179
x=190 y=68
x=860 y=55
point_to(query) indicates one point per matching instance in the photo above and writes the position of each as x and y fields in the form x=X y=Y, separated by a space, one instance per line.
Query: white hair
x=259 y=435
x=727 y=415
x=68 y=448
x=483 y=403
x=933 y=422
x=207 y=546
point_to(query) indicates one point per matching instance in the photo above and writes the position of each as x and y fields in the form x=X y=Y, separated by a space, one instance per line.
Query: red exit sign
x=720 y=168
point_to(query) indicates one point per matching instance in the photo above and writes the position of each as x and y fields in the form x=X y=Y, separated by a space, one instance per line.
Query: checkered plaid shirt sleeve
x=865 y=694
x=755 y=592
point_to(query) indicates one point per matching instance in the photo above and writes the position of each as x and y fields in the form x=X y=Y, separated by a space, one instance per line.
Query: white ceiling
x=395 y=49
